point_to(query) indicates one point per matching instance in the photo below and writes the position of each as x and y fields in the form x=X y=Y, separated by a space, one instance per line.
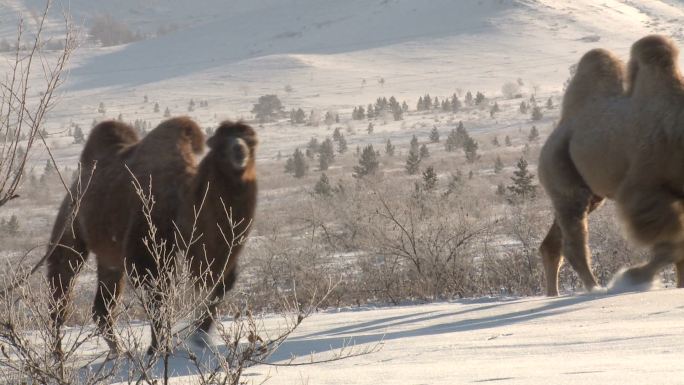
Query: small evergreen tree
x=336 y=134
x=12 y=225
x=389 y=148
x=479 y=98
x=522 y=186
x=341 y=144
x=469 y=99
x=455 y=103
x=414 y=147
x=507 y=141
x=434 y=135
x=299 y=165
x=167 y=113
x=370 y=128
x=78 y=135
x=326 y=154
x=524 y=108
x=312 y=147
x=495 y=141
x=368 y=163
x=424 y=152
x=549 y=103
x=498 y=165
x=156 y=107
x=495 y=108
x=537 y=113
x=470 y=150
x=412 y=163
x=101 y=108
x=534 y=134
x=323 y=186
x=429 y=179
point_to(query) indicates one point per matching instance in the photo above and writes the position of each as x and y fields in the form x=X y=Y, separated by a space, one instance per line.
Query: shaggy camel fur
x=619 y=144
x=110 y=222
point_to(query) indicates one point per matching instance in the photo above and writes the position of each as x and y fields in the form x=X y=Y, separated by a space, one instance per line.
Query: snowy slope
x=625 y=339
x=332 y=53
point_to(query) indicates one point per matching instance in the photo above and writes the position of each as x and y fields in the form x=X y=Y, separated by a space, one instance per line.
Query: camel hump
x=180 y=131
x=599 y=74
x=655 y=50
x=106 y=139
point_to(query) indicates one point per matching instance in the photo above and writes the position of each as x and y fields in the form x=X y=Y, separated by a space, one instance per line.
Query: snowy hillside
x=333 y=55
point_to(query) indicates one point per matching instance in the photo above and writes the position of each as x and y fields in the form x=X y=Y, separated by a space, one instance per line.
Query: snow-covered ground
x=626 y=339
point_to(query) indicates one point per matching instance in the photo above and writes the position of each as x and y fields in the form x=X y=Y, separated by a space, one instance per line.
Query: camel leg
x=209 y=315
x=679 y=269
x=553 y=246
x=110 y=286
x=550 y=251
x=664 y=254
x=68 y=253
x=572 y=220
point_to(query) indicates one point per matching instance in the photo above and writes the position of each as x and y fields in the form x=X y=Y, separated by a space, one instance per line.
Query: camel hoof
x=630 y=280
x=202 y=341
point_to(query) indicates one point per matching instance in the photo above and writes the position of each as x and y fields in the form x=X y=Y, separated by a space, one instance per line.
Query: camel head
x=233 y=146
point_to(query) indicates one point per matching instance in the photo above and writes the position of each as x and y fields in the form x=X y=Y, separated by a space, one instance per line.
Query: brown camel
x=110 y=222
x=621 y=144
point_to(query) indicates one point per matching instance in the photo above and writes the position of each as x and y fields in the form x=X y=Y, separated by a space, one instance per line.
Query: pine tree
x=101 y=108
x=429 y=179
x=300 y=167
x=368 y=163
x=12 y=225
x=370 y=113
x=78 y=135
x=370 y=128
x=498 y=165
x=326 y=154
x=495 y=141
x=312 y=147
x=389 y=148
x=167 y=113
x=191 y=105
x=479 y=98
x=469 y=99
x=549 y=103
x=434 y=135
x=156 y=107
x=424 y=152
x=523 y=107
x=412 y=163
x=336 y=134
x=413 y=147
x=537 y=113
x=455 y=103
x=470 y=150
x=495 y=108
x=522 y=186
x=534 y=134
x=323 y=186
x=341 y=144
x=507 y=141
x=427 y=102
